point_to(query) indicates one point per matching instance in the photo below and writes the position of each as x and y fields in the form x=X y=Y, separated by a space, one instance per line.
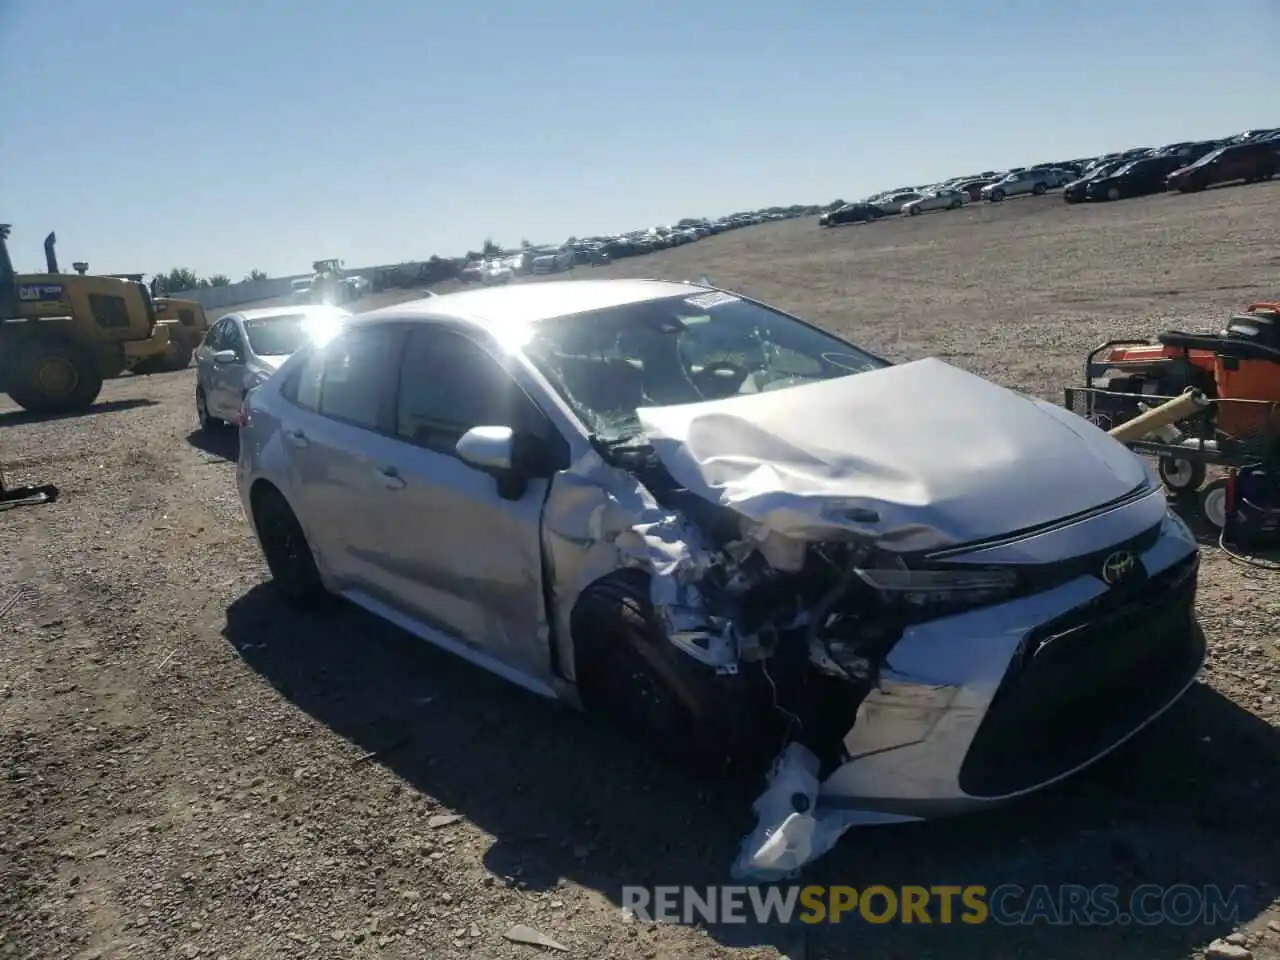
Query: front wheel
x=1113 y=194
x=1039 y=189
x=631 y=674
x=208 y=422
x=997 y=196
x=1180 y=476
x=914 y=211
x=51 y=378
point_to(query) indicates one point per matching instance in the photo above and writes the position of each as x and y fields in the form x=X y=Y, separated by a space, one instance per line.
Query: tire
x=914 y=211
x=630 y=674
x=1113 y=194
x=1213 y=503
x=52 y=377
x=997 y=196
x=1180 y=476
x=1039 y=190
x=208 y=423
x=288 y=554
x=176 y=358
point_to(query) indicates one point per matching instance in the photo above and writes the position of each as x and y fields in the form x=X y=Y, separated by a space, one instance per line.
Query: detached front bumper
x=997 y=703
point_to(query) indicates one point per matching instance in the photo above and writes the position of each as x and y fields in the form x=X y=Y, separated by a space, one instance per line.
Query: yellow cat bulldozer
x=62 y=334
x=185 y=324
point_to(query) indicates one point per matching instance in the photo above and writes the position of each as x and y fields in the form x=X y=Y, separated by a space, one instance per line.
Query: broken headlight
x=941 y=590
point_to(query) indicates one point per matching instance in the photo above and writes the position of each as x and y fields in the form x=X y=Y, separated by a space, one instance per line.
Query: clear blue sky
x=224 y=135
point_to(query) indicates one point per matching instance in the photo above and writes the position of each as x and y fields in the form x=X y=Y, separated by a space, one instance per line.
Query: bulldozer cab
x=87 y=308
x=186 y=313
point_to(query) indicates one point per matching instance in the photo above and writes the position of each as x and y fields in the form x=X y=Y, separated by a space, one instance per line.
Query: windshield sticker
x=717 y=298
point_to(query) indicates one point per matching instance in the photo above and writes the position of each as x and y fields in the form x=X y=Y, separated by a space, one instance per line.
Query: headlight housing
x=954 y=589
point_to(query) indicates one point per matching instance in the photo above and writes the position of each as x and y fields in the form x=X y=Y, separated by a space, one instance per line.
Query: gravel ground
x=191 y=771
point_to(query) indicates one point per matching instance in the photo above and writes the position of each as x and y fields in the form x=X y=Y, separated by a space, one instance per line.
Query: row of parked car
x=593 y=251
x=1186 y=167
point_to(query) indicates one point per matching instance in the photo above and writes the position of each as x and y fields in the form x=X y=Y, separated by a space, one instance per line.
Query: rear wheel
x=287 y=552
x=1213 y=503
x=1180 y=476
x=1039 y=189
x=178 y=357
x=50 y=377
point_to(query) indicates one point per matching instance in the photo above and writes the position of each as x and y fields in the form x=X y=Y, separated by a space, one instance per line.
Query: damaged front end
x=870 y=589
x=804 y=623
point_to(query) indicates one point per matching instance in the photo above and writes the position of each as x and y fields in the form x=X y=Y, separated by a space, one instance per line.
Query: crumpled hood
x=921 y=455
x=273 y=362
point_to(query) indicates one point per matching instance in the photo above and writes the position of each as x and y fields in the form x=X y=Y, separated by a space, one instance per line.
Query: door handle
x=296 y=437
x=390 y=478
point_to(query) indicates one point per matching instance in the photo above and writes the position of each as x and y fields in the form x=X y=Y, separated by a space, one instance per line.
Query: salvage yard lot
x=191 y=770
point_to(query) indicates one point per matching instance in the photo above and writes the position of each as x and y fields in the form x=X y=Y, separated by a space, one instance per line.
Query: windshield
x=607 y=363
x=1210 y=157
x=278 y=336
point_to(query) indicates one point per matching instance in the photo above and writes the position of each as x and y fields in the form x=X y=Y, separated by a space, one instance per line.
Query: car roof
x=262 y=313
x=494 y=308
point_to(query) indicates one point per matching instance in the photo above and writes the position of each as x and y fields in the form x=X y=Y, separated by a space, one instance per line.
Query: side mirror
x=226 y=356
x=511 y=458
x=489 y=449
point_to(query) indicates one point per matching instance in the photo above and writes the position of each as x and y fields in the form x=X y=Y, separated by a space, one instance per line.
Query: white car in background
x=1055 y=178
x=893 y=203
x=944 y=199
x=1015 y=184
x=553 y=260
x=496 y=271
x=244 y=349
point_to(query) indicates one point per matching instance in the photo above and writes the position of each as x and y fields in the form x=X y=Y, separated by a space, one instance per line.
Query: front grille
x=1082 y=682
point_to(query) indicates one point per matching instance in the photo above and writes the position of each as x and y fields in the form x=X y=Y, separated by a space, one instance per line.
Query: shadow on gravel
x=16 y=417
x=1190 y=801
x=220 y=443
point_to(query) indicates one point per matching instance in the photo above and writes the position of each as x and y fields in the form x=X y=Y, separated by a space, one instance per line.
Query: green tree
x=219 y=280
x=490 y=249
x=835 y=204
x=181 y=278
x=256 y=274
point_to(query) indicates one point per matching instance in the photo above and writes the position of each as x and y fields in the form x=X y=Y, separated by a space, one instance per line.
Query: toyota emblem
x=1117 y=567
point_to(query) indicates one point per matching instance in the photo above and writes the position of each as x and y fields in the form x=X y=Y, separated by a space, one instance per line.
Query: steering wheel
x=723 y=373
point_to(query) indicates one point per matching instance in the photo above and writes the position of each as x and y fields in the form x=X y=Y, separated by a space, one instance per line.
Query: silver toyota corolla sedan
x=723 y=527
x=243 y=349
